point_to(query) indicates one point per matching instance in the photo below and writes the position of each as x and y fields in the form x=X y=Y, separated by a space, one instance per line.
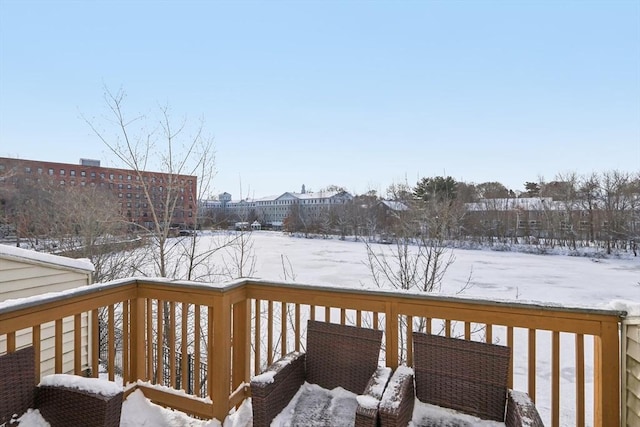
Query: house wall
x=631 y=372
x=19 y=279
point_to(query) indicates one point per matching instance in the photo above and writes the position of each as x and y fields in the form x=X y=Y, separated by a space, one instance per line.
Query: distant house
x=255 y=225
x=388 y=218
x=26 y=273
x=273 y=210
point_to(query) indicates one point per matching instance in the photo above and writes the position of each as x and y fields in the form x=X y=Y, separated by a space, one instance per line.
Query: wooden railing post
x=241 y=345
x=607 y=376
x=137 y=353
x=220 y=381
x=391 y=333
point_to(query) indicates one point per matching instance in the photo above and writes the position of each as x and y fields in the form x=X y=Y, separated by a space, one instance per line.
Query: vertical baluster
x=160 y=345
x=150 y=336
x=510 y=345
x=555 y=379
x=11 y=342
x=580 y=408
x=77 y=344
x=210 y=353
x=37 y=345
x=172 y=344
x=184 y=345
x=409 y=340
x=196 y=352
x=112 y=342
x=269 y=332
x=58 y=346
x=95 y=343
x=257 y=338
x=125 y=342
x=532 y=364
x=283 y=328
x=297 y=327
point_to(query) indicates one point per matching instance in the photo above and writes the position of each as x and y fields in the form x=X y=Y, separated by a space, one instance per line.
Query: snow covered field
x=557 y=279
x=553 y=279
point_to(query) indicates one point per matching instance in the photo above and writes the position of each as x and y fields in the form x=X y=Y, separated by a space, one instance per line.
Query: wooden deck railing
x=234 y=330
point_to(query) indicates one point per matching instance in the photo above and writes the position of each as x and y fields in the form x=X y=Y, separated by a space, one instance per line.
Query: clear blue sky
x=355 y=93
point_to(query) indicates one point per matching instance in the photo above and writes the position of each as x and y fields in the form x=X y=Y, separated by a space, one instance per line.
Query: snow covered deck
x=213 y=338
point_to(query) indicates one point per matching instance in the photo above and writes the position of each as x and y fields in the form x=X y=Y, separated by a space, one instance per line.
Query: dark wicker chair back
x=340 y=355
x=464 y=375
x=17 y=383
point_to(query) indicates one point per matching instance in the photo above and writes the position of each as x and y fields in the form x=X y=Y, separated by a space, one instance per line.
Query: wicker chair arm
x=396 y=406
x=369 y=400
x=272 y=390
x=521 y=411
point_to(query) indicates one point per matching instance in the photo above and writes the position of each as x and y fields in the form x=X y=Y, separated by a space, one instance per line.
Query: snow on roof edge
x=26 y=255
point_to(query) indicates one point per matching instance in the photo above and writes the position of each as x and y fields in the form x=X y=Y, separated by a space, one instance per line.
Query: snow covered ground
x=559 y=279
x=554 y=279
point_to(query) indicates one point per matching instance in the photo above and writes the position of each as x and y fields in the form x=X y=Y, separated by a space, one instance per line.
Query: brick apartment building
x=126 y=185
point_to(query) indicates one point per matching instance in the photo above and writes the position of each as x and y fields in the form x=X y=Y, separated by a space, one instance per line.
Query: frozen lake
x=556 y=279
x=552 y=279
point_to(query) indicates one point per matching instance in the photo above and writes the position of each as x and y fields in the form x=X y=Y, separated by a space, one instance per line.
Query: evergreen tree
x=436 y=189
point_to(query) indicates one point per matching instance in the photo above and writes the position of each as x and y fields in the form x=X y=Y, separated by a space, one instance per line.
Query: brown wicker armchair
x=60 y=406
x=336 y=355
x=469 y=377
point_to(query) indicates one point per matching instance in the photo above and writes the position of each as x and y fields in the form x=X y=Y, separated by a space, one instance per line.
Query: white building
x=273 y=210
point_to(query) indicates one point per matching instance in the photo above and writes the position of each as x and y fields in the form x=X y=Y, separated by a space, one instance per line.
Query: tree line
x=572 y=211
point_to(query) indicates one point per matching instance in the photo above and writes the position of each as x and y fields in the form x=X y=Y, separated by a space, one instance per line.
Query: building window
x=62 y=182
x=83 y=173
x=119 y=176
x=50 y=171
x=40 y=171
x=27 y=169
x=62 y=172
x=111 y=176
x=129 y=177
x=102 y=175
x=72 y=172
x=93 y=174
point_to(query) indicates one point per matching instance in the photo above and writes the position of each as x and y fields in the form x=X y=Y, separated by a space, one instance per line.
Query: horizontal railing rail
x=215 y=337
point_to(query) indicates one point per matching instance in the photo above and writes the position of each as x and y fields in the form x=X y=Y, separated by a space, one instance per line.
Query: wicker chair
x=336 y=355
x=469 y=377
x=60 y=406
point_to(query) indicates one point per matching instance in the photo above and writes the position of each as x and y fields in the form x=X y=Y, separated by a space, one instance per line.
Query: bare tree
x=178 y=151
x=419 y=256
